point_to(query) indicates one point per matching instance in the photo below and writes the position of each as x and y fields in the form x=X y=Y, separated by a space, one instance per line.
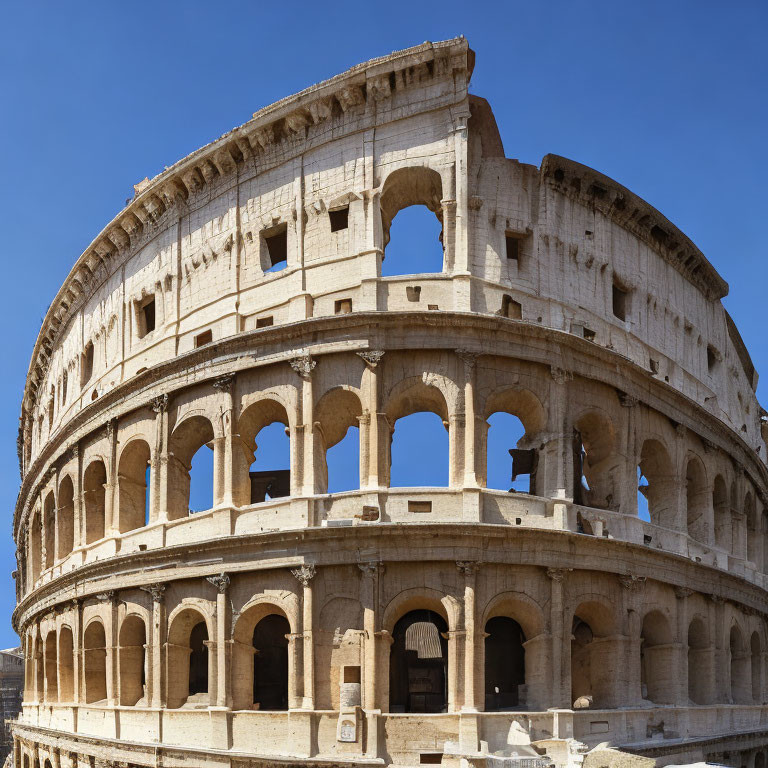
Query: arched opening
x=265 y=461
x=132 y=649
x=132 y=485
x=741 y=684
x=35 y=546
x=338 y=413
x=66 y=661
x=659 y=490
x=95 y=662
x=418 y=663
x=697 y=499
x=414 y=244
x=658 y=659
x=750 y=517
x=66 y=517
x=49 y=513
x=508 y=467
x=756 y=666
x=419 y=451
x=595 y=462
x=700 y=671
x=194 y=435
x=270 y=663
x=504 y=664
x=722 y=514
x=188 y=657
x=51 y=669
x=94 y=497
x=596 y=666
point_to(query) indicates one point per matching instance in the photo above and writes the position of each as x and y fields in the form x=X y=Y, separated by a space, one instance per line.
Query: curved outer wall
x=564 y=300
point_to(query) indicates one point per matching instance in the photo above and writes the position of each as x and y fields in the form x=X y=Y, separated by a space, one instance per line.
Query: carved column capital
x=303 y=365
x=558 y=574
x=108 y=596
x=628 y=401
x=156 y=590
x=111 y=427
x=372 y=357
x=631 y=582
x=468 y=567
x=305 y=573
x=560 y=375
x=371 y=569
x=681 y=593
x=221 y=582
x=160 y=403
x=468 y=357
x=224 y=383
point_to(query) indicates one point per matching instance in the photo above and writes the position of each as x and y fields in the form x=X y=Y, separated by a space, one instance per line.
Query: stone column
x=461 y=256
x=722 y=650
x=111 y=523
x=304 y=366
x=294 y=666
x=680 y=453
x=158 y=499
x=453 y=637
x=371 y=476
x=682 y=594
x=561 y=639
x=110 y=631
x=469 y=360
x=631 y=618
x=77 y=622
x=78 y=537
x=224 y=449
x=156 y=683
x=555 y=479
x=223 y=624
x=304 y=575
x=469 y=569
x=628 y=490
x=369 y=593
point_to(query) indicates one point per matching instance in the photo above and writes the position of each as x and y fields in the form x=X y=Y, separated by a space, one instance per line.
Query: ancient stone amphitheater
x=390 y=626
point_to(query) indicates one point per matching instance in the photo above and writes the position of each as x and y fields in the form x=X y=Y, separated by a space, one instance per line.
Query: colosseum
x=615 y=613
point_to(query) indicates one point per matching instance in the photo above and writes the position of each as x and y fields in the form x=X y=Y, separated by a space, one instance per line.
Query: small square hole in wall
x=339 y=219
x=588 y=334
x=342 y=306
x=713 y=358
x=352 y=674
x=206 y=337
x=430 y=758
x=420 y=506
x=653 y=365
x=433 y=306
x=276 y=242
x=413 y=292
x=264 y=322
x=511 y=308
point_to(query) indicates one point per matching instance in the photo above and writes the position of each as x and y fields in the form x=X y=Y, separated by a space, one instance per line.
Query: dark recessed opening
x=276 y=240
x=339 y=219
x=264 y=322
x=86 y=370
x=511 y=308
x=148 y=311
x=206 y=337
x=352 y=674
x=712 y=358
x=430 y=758
x=342 y=306
x=619 y=302
x=588 y=334
x=513 y=247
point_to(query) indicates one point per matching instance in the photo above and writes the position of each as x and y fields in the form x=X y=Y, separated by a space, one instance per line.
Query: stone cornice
x=288 y=119
x=393 y=544
x=503 y=337
x=596 y=190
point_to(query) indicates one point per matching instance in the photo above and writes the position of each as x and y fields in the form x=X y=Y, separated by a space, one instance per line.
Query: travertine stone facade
x=389 y=625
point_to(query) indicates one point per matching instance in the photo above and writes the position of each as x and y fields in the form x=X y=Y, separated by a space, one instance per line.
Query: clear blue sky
x=668 y=98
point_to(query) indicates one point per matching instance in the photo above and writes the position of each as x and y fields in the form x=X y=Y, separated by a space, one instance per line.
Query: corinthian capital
x=304 y=573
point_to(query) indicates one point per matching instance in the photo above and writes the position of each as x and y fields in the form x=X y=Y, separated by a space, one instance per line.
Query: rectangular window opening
x=713 y=358
x=352 y=674
x=148 y=310
x=343 y=306
x=619 y=302
x=420 y=506
x=276 y=240
x=430 y=758
x=511 y=308
x=513 y=246
x=86 y=370
x=265 y=322
x=339 y=219
x=206 y=337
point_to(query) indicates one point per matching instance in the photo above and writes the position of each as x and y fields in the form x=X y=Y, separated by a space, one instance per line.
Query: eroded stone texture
x=389 y=625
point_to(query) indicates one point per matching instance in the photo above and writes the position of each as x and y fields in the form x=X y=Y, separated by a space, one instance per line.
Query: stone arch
x=259 y=414
x=193 y=432
x=657 y=468
x=595 y=654
x=51 y=667
x=94 y=500
x=66 y=662
x=507 y=652
x=700 y=662
x=596 y=460
x=132 y=640
x=722 y=513
x=132 y=485
x=95 y=661
x=187 y=656
x=697 y=497
x=741 y=683
x=658 y=659
x=252 y=679
x=338 y=410
x=65 y=518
